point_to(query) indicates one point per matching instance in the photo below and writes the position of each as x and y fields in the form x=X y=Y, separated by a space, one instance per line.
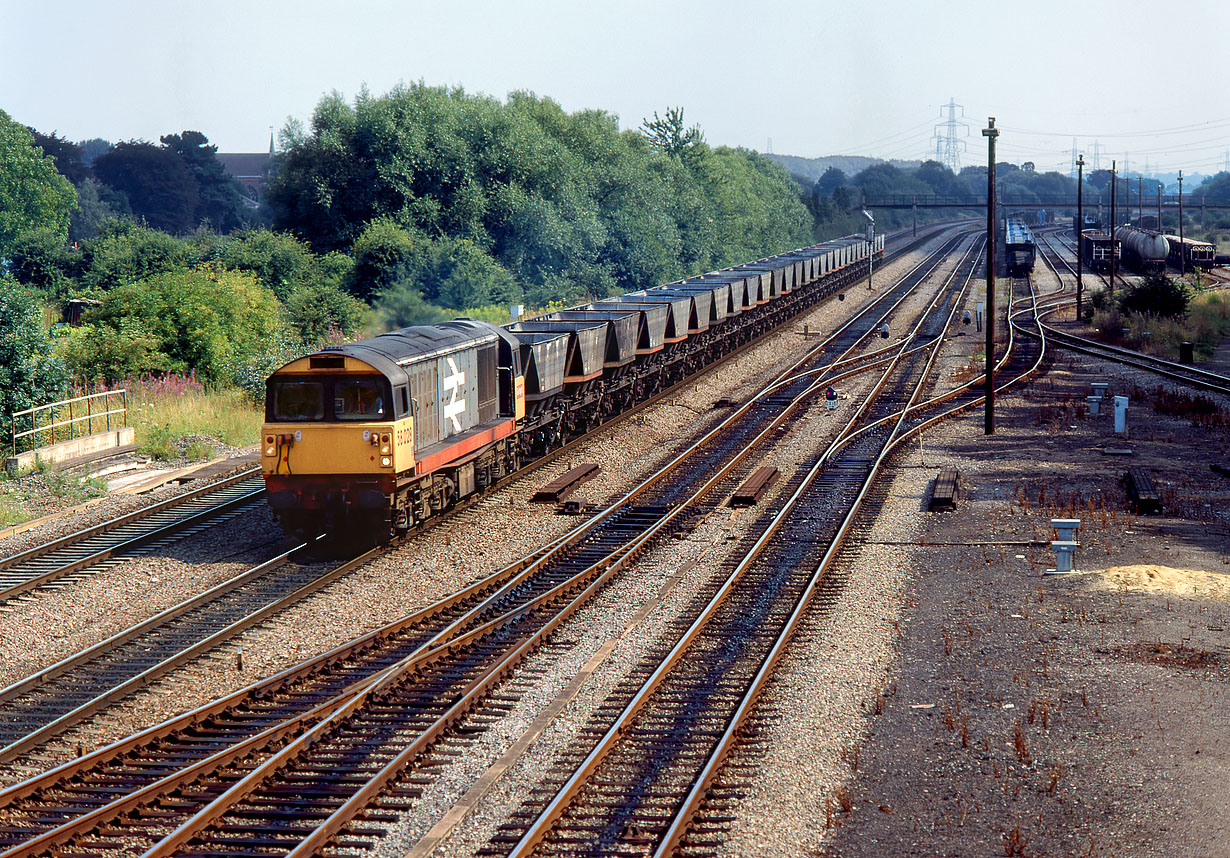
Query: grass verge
x=175 y=416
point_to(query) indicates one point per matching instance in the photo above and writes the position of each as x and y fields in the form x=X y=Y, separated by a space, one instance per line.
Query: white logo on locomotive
x=452 y=385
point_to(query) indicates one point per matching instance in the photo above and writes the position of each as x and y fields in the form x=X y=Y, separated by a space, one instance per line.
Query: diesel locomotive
x=370 y=438
x=1019 y=249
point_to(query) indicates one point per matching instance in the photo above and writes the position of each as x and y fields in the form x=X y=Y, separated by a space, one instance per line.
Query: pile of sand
x=1168 y=581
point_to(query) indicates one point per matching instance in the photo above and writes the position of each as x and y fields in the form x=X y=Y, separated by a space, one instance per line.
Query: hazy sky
x=1142 y=79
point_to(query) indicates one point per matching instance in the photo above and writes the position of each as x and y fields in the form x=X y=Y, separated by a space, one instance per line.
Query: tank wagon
x=370 y=438
x=1143 y=249
x=1019 y=249
x=1189 y=253
x=1097 y=250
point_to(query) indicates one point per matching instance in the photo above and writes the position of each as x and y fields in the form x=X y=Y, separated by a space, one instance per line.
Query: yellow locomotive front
x=333 y=443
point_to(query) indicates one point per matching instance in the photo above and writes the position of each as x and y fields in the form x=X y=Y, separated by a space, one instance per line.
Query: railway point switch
x=1095 y=404
x=1100 y=388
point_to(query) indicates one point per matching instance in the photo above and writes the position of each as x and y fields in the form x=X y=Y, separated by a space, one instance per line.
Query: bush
x=1156 y=295
x=206 y=320
x=100 y=354
x=315 y=310
x=30 y=372
x=126 y=252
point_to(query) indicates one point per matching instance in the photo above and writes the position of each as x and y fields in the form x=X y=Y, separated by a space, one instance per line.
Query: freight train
x=368 y=439
x=1019 y=249
x=1143 y=249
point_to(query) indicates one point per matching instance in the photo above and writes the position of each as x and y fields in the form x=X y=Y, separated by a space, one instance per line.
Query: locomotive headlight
x=384 y=449
x=269 y=451
x=385 y=461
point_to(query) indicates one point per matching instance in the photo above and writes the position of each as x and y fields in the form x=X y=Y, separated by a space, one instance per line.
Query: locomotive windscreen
x=297 y=400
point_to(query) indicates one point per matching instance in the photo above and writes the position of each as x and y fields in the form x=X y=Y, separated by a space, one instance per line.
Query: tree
x=383 y=255
x=941 y=180
x=281 y=261
x=831 y=179
x=66 y=154
x=30 y=374
x=567 y=204
x=219 y=196
x=125 y=252
x=315 y=310
x=1098 y=178
x=39 y=258
x=457 y=273
x=33 y=195
x=96 y=204
x=667 y=134
x=401 y=306
x=158 y=184
x=92 y=148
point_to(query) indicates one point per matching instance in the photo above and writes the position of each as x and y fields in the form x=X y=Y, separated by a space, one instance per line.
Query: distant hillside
x=813 y=168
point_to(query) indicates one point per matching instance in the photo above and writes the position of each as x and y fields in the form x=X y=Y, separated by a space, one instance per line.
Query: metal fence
x=69 y=418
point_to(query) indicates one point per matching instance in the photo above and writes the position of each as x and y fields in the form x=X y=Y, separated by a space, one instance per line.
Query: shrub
x=1157 y=295
x=30 y=373
x=206 y=320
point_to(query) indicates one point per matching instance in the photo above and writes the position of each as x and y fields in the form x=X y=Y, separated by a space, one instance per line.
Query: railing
x=96 y=406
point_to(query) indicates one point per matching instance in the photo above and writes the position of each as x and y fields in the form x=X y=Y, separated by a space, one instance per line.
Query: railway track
x=92 y=550
x=49 y=702
x=681 y=714
x=422 y=654
x=1185 y=374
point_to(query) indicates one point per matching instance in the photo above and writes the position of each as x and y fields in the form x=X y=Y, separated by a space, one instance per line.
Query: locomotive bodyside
x=374 y=436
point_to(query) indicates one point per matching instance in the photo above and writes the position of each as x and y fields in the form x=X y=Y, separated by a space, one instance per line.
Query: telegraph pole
x=989 y=385
x=1112 y=228
x=871 y=244
x=1182 y=247
x=1080 y=231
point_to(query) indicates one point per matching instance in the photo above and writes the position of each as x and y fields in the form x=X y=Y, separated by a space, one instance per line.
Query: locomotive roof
x=389 y=353
x=1018 y=233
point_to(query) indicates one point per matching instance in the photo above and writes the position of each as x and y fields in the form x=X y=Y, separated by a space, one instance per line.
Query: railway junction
x=940 y=694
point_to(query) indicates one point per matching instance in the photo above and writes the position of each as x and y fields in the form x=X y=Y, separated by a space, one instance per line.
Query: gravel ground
x=954 y=701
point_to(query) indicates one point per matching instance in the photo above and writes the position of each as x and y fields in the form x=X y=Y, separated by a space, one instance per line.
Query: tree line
x=384 y=211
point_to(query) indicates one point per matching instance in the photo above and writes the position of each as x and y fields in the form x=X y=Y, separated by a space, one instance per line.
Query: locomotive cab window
x=359 y=399
x=298 y=400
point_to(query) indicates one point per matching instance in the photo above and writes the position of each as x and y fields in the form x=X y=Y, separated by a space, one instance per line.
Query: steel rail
x=607 y=568
x=583 y=772
x=183 y=656
x=676 y=830
x=120 y=549
x=127 y=518
x=579 y=530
